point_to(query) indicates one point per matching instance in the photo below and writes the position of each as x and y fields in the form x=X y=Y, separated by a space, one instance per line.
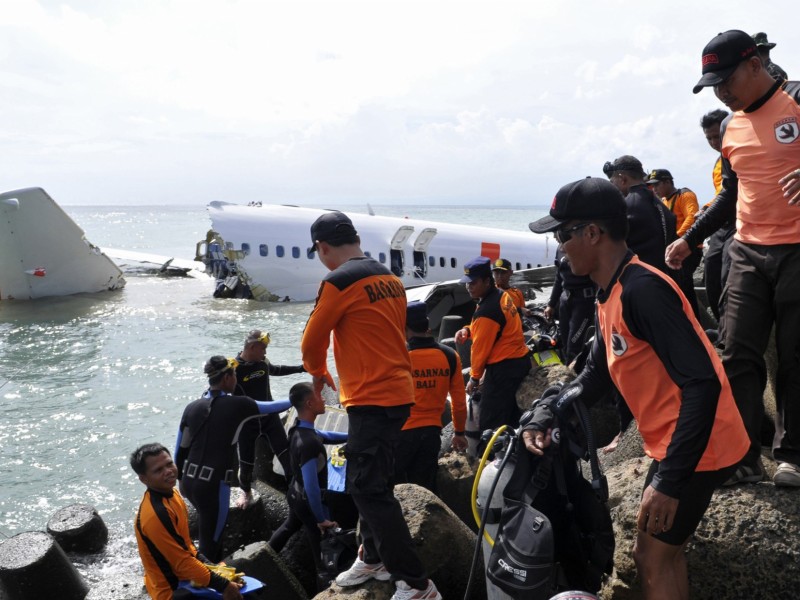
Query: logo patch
x=618 y=344
x=787 y=130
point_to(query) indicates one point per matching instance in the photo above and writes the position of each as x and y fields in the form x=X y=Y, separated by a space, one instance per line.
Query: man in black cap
x=761 y=187
x=502 y=272
x=651 y=227
x=436 y=369
x=364 y=306
x=681 y=202
x=649 y=346
x=499 y=357
x=764 y=46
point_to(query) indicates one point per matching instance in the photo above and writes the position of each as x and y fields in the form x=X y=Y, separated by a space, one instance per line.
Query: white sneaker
x=406 y=592
x=787 y=475
x=360 y=572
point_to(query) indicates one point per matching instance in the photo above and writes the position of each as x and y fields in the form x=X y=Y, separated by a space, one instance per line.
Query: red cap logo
x=709 y=59
x=553 y=205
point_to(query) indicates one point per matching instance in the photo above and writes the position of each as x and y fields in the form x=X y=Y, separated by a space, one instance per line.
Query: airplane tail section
x=43 y=252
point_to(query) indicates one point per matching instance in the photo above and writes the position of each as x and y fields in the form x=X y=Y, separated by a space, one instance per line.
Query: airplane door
x=421 y=251
x=396 y=249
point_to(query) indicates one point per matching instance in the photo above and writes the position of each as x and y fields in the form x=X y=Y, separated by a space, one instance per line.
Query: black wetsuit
x=309 y=482
x=205 y=455
x=253 y=381
x=651 y=227
x=573 y=296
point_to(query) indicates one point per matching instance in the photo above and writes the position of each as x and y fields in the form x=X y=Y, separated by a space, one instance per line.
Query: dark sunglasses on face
x=564 y=235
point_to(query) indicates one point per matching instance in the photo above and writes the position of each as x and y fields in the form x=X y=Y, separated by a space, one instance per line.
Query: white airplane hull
x=269 y=246
x=44 y=253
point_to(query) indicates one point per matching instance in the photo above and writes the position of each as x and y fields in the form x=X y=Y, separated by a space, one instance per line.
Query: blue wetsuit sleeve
x=331 y=437
x=313 y=493
x=276 y=406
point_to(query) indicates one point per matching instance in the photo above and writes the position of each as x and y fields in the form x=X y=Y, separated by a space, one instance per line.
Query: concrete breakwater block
x=78 y=528
x=34 y=567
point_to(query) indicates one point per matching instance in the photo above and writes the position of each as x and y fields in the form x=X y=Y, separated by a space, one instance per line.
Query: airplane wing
x=537 y=278
x=141 y=263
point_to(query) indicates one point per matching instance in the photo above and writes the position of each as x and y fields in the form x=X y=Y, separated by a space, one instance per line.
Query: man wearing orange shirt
x=761 y=186
x=364 y=306
x=502 y=272
x=436 y=369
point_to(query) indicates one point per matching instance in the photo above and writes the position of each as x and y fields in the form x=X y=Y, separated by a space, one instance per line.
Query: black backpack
x=555 y=526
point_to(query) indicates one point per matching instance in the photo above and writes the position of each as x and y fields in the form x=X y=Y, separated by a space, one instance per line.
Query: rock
x=745 y=546
x=538 y=380
x=630 y=446
x=454 y=482
x=34 y=567
x=78 y=528
x=260 y=561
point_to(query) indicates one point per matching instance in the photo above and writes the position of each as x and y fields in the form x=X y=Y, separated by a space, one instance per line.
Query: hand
x=232 y=592
x=462 y=335
x=320 y=382
x=548 y=313
x=791 y=186
x=459 y=443
x=471 y=386
x=656 y=512
x=245 y=499
x=325 y=525
x=536 y=441
x=676 y=252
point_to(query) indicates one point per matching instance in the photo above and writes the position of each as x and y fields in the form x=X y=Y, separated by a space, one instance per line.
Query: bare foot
x=613 y=445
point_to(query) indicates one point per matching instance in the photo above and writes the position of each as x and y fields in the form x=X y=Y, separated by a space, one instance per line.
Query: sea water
x=85 y=379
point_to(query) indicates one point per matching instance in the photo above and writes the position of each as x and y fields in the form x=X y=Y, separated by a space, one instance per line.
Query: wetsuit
x=364 y=305
x=166 y=548
x=252 y=380
x=499 y=350
x=309 y=483
x=650 y=346
x=760 y=145
x=573 y=299
x=716 y=261
x=651 y=227
x=205 y=455
x=436 y=370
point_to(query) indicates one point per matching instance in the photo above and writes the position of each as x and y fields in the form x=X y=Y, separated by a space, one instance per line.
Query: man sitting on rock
x=649 y=345
x=162 y=530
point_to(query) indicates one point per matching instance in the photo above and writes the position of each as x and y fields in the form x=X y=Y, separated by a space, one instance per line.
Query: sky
x=118 y=102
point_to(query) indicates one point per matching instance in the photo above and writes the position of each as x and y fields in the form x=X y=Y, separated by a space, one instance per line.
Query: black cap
x=417 y=316
x=477 y=268
x=585 y=199
x=332 y=226
x=501 y=264
x=722 y=55
x=761 y=41
x=626 y=162
x=657 y=175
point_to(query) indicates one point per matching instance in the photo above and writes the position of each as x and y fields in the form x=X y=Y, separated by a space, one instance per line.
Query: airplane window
x=279 y=251
x=453 y=263
x=519 y=266
x=368 y=254
x=529 y=265
x=441 y=261
x=382 y=258
x=245 y=248
x=263 y=250
x=295 y=252
x=432 y=261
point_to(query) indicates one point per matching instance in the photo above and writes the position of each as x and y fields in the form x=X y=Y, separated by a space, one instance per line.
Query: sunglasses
x=564 y=235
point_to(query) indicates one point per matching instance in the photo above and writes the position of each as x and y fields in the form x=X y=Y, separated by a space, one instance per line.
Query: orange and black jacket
x=760 y=145
x=166 y=548
x=496 y=332
x=436 y=370
x=364 y=305
x=516 y=296
x=649 y=345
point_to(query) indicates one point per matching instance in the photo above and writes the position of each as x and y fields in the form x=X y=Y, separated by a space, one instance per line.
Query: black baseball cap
x=592 y=198
x=657 y=175
x=333 y=226
x=477 y=268
x=501 y=264
x=417 y=316
x=722 y=55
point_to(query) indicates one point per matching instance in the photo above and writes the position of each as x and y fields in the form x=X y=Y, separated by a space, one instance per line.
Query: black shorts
x=692 y=503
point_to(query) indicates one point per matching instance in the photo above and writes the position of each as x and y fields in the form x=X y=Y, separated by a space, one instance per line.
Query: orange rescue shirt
x=436 y=370
x=496 y=332
x=364 y=305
